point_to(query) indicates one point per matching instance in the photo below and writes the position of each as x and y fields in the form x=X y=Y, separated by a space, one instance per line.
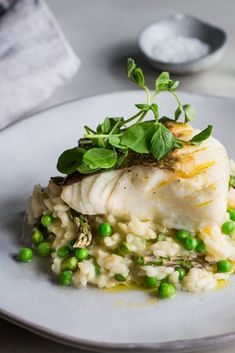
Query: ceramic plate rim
x=166 y=346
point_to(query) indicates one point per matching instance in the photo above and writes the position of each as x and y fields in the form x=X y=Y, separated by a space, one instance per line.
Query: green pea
x=181 y=272
x=37 y=237
x=47 y=219
x=228 y=228
x=70 y=263
x=182 y=234
x=66 y=278
x=124 y=248
x=63 y=251
x=151 y=282
x=166 y=290
x=224 y=266
x=201 y=247
x=190 y=243
x=105 y=230
x=231 y=213
x=81 y=254
x=44 y=249
x=25 y=255
x=139 y=260
x=97 y=270
x=120 y=278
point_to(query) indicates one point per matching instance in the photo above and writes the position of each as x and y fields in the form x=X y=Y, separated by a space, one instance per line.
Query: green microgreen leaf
x=135 y=73
x=100 y=158
x=106 y=125
x=116 y=122
x=165 y=119
x=115 y=142
x=203 y=135
x=84 y=169
x=70 y=159
x=162 y=81
x=178 y=113
x=138 y=77
x=121 y=158
x=137 y=137
x=108 y=146
x=143 y=106
x=162 y=142
x=110 y=124
x=89 y=130
x=130 y=66
x=154 y=108
x=189 y=112
x=179 y=143
x=174 y=86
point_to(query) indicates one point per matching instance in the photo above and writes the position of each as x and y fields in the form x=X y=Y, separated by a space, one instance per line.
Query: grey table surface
x=103 y=33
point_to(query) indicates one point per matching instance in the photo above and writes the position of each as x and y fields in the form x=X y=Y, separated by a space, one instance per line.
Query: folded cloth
x=34 y=59
x=5 y=5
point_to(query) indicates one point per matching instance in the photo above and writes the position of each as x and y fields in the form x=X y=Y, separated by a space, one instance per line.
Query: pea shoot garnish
x=107 y=147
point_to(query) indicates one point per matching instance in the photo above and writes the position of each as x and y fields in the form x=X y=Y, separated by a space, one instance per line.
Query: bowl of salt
x=182 y=44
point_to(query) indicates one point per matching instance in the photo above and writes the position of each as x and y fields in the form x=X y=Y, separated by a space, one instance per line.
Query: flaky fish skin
x=189 y=194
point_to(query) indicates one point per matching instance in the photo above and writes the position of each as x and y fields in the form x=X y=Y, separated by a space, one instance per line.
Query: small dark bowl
x=186 y=26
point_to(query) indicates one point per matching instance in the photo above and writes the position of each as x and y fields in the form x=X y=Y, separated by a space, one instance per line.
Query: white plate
x=91 y=318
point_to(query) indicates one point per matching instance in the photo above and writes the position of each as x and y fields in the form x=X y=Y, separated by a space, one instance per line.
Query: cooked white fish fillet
x=191 y=194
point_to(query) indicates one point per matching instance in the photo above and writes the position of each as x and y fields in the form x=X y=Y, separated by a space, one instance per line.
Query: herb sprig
x=107 y=147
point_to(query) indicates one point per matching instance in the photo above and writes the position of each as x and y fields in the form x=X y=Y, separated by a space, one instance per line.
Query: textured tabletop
x=104 y=33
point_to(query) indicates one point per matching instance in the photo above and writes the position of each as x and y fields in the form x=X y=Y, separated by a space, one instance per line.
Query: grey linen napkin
x=34 y=59
x=5 y=5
